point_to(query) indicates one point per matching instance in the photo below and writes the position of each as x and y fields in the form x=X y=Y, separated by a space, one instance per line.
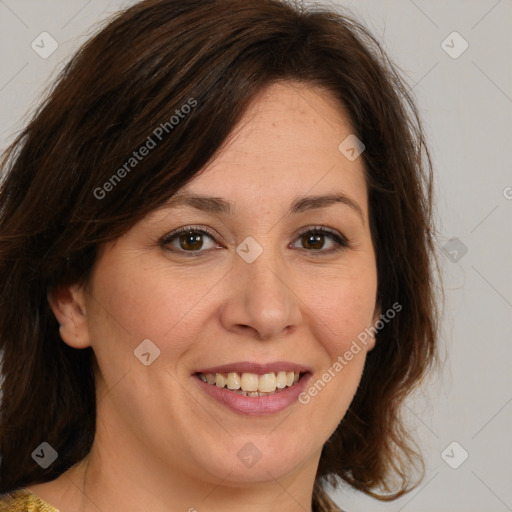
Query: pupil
x=314 y=241
x=191 y=241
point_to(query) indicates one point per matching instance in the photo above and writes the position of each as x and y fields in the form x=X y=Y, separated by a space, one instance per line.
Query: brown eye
x=189 y=240
x=313 y=241
x=321 y=240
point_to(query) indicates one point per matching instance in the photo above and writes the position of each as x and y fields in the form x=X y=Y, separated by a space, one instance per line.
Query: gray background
x=466 y=105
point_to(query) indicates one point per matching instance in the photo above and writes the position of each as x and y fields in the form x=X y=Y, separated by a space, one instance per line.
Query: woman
x=215 y=267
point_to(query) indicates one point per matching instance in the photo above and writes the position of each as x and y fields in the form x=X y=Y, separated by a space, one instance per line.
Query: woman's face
x=274 y=272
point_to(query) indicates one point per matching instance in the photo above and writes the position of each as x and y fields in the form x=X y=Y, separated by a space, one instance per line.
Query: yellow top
x=22 y=500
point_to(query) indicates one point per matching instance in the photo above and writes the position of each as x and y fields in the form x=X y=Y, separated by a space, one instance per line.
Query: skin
x=161 y=442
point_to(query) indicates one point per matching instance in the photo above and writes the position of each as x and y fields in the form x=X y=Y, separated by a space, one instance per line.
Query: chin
x=257 y=460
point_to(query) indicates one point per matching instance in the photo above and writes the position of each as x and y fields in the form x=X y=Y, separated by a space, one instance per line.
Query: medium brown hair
x=127 y=80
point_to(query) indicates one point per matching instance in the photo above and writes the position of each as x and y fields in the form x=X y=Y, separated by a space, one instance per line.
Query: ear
x=68 y=305
x=376 y=317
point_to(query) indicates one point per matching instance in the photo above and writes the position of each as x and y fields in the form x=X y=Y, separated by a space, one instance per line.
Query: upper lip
x=258 y=368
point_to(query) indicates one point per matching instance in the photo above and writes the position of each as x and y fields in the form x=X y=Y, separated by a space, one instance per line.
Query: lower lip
x=256 y=405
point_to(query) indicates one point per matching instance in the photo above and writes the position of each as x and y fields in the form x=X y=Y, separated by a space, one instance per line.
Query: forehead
x=286 y=144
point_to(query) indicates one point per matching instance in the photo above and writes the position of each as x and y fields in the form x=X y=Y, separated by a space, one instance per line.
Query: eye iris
x=191 y=241
x=313 y=241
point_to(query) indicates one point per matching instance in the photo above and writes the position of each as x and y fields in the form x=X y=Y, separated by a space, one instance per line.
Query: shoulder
x=21 y=500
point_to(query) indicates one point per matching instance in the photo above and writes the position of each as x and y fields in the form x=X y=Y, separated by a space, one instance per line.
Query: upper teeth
x=251 y=382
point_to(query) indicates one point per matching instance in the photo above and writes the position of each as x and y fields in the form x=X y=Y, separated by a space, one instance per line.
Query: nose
x=261 y=301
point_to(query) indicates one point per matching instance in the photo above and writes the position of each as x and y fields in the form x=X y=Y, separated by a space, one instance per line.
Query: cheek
x=342 y=313
x=344 y=308
x=132 y=302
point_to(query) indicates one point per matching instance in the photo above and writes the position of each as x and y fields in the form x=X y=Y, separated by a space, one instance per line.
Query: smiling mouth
x=252 y=384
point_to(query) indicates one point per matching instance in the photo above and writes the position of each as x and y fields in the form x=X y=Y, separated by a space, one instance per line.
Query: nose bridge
x=267 y=278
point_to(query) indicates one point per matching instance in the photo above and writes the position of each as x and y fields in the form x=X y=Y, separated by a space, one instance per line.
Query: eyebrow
x=218 y=205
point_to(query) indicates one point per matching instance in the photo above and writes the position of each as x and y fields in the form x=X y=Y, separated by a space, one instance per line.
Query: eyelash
x=336 y=237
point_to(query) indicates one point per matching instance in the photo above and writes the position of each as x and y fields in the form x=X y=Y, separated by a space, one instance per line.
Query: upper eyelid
x=319 y=228
x=201 y=229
